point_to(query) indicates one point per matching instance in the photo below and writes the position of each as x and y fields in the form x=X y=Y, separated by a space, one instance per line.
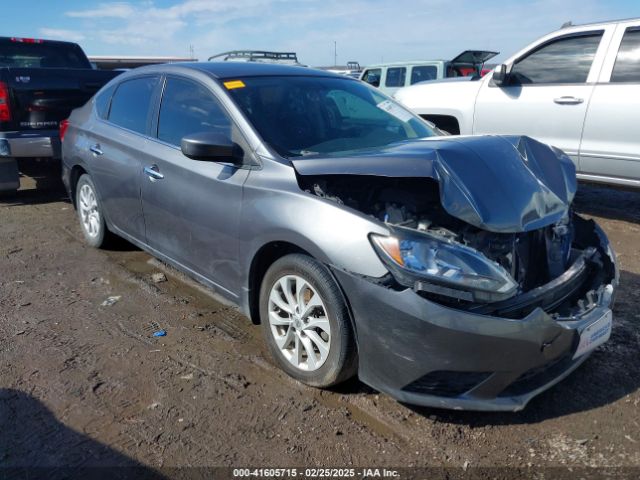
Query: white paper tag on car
x=595 y=334
x=395 y=110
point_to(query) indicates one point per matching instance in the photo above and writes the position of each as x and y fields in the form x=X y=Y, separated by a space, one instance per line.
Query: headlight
x=427 y=262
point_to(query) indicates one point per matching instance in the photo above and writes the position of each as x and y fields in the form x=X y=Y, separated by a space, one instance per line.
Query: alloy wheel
x=89 y=213
x=299 y=322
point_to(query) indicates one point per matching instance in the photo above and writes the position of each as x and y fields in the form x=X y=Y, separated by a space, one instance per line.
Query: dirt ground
x=85 y=384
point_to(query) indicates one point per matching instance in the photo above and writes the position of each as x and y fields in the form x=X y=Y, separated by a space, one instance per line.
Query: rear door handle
x=152 y=172
x=96 y=149
x=568 y=100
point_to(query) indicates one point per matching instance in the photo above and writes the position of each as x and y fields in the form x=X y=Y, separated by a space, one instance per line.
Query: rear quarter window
x=103 y=102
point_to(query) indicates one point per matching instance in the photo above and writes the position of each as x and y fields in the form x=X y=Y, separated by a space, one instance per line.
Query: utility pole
x=335 y=53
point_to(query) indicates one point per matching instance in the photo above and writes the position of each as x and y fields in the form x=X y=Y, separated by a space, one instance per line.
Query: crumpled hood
x=497 y=183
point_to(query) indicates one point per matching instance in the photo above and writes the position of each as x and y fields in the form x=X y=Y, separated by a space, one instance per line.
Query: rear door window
x=423 y=73
x=395 y=77
x=130 y=104
x=565 y=60
x=372 y=76
x=187 y=108
x=627 y=67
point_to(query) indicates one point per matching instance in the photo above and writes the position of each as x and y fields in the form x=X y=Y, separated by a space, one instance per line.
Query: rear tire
x=306 y=322
x=90 y=213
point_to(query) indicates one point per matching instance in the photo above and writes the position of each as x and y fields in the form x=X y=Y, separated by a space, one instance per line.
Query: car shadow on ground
x=40 y=183
x=34 y=444
x=608 y=202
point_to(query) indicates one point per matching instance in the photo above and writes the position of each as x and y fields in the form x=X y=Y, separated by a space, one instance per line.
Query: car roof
x=608 y=22
x=225 y=70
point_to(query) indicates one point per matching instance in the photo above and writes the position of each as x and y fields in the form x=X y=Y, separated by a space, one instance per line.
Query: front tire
x=306 y=322
x=90 y=213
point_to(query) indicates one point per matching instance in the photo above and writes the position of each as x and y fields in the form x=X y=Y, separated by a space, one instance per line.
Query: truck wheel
x=90 y=214
x=306 y=322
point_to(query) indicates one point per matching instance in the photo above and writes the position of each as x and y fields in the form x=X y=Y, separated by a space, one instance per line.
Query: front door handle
x=153 y=173
x=568 y=100
x=95 y=149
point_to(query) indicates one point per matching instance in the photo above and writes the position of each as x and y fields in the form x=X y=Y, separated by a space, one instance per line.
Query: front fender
x=330 y=233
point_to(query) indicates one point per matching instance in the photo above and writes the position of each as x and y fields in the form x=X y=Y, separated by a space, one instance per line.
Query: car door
x=118 y=150
x=192 y=207
x=610 y=145
x=547 y=92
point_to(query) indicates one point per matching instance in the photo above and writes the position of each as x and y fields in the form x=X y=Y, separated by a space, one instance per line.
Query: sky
x=368 y=31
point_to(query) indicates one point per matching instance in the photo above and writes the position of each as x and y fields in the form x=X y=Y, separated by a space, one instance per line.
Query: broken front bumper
x=425 y=353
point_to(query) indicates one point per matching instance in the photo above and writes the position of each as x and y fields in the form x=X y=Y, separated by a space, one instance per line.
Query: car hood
x=497 y=183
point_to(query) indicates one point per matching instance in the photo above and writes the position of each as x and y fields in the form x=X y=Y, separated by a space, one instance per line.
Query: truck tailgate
x=41 y=97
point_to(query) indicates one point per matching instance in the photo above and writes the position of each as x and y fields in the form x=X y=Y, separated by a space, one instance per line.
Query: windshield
x=305 y=116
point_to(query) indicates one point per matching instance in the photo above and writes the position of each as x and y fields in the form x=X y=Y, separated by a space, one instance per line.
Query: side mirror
x=500 y=75
x=211 y=146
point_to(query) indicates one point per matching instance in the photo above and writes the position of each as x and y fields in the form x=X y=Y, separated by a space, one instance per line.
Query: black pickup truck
x=41 y=81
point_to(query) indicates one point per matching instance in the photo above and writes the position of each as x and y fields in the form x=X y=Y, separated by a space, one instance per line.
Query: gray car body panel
x=211 y=220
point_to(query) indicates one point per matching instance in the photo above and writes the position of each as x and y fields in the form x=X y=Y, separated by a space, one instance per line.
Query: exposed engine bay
x=540 y=261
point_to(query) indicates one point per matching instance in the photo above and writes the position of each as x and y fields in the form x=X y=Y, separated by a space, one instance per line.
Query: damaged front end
x=483 y=253
x=562 y=267
x=455 y=234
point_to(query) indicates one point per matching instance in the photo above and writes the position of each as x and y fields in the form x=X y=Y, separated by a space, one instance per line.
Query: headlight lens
x=414 y=258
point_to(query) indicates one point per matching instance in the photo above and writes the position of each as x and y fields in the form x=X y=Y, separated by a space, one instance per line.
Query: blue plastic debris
x=160 y=333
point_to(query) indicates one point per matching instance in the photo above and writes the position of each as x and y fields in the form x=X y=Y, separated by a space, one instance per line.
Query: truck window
x=565 y=60
x=627 y=66
x=41 y=55
x=395 y=77
x=130 y=104
x=423 y=73
x=372 y=77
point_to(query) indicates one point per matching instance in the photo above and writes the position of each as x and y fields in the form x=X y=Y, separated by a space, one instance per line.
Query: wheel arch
x=76 y=172
x=448 y=123
x=266 y=256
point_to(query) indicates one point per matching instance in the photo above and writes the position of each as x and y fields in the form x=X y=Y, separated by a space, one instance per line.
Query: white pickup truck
x=577 y=88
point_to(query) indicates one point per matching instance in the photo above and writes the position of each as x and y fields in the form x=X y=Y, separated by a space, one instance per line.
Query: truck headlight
x=427 y=262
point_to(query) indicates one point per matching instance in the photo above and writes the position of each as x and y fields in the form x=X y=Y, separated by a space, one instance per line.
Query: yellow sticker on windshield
x=234 y=84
